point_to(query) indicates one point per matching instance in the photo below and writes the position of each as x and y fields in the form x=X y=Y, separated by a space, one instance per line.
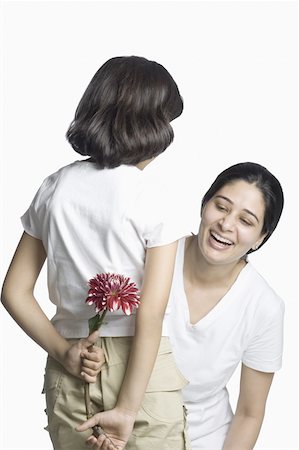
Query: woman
x=224 y=312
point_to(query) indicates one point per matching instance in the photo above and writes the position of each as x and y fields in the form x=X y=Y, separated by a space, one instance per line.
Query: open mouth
x=220 y=239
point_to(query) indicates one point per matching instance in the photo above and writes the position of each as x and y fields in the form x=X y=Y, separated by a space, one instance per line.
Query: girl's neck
x=144 y=163
x=200 y=272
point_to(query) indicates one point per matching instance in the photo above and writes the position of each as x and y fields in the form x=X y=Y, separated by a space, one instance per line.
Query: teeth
x=220 y=238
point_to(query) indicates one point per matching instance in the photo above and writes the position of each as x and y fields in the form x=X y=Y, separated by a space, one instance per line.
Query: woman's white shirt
x=246 y=325
x=93 y=221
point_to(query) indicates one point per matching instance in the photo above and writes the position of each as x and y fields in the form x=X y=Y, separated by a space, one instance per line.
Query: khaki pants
x=161 y=421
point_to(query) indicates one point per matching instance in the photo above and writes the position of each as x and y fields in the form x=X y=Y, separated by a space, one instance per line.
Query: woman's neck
x=200 y=272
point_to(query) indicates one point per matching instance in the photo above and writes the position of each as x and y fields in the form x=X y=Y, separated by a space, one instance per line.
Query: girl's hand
x=117 y=425
x=83 y=359
x=92 y=361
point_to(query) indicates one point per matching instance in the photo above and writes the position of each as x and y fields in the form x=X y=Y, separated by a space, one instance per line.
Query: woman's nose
x=227 y=223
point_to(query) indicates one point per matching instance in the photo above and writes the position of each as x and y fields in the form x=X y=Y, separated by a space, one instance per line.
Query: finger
x=105 y=445
x=91 y=441
x=95 y=443
x=88 y=378
x=91 y=339
x=91 y=365
x=100 y=442
x=108 y=445
x=89 y=373
x=93 y=421
x=96 y=355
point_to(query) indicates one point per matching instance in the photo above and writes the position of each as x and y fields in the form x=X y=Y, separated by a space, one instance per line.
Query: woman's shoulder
x=260 y=289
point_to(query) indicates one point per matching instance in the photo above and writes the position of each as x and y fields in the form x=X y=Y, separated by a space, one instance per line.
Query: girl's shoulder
x=50 y=183
x=64 y=170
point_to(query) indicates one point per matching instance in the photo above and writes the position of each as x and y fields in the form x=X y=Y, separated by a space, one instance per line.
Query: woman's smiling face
x=231 y=223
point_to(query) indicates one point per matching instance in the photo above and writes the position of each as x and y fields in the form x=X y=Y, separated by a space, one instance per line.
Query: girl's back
x=92 y=221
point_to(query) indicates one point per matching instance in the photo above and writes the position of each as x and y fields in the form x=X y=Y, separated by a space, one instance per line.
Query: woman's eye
x=246 y=222
x=221 y=207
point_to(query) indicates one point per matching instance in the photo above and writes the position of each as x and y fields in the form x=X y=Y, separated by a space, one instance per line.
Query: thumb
x=88 y=424
x=91 y=339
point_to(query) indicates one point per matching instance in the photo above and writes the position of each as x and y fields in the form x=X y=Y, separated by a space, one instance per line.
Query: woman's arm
x=248 y=419
x=118 y=422
x=18 y=298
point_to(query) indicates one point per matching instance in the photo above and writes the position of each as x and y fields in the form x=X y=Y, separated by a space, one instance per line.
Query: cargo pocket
x=186 y=436
x=162 y=414
x=52 y=385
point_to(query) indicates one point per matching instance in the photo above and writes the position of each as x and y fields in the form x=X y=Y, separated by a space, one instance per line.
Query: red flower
x=109 y=292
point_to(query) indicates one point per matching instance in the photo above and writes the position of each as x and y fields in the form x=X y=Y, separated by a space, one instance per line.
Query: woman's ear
x=259 y=242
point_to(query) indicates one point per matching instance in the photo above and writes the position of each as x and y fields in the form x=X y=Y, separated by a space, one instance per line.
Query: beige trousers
x=161 y=421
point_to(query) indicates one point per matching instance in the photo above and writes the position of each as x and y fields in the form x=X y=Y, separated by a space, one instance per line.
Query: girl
x=224 y=312
x=103 y=214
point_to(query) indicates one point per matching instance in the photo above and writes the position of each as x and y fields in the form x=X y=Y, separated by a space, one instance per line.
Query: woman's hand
x=83 y=359
x=117 y=425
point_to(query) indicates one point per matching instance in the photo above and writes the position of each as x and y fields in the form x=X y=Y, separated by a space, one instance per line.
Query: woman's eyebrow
x=224 y=198
x=231 y=202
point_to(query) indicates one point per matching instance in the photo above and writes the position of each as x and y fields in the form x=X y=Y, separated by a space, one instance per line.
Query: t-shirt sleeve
x=264 y=351
x=165 y=217
x=34 y=218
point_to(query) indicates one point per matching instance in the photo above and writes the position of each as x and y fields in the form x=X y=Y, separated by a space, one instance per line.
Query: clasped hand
x=83 y=359
x=117 y=424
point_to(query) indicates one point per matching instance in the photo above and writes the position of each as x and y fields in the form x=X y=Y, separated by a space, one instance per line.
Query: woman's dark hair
x=268 y=185
x=125 y=113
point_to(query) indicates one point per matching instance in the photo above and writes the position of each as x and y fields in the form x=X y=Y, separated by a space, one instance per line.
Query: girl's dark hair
x=268 y=185
x=125 y=113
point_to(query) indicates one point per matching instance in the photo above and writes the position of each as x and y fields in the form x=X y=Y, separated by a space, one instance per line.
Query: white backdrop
x=235 y=64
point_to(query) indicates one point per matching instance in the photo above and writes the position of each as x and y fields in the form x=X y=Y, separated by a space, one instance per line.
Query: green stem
x=96 y=321
x=101 y=319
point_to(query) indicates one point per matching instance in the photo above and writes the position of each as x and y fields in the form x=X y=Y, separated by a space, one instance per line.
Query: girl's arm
x=248 y=419
x=18 y=298
x=159 y=268
x=118 y=423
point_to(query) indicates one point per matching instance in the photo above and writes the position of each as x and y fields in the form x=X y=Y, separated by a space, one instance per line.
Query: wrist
x=126 y=411
x=60 y=352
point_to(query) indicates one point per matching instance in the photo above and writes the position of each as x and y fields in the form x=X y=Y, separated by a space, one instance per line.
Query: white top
x=92 y=221
x=246 y=325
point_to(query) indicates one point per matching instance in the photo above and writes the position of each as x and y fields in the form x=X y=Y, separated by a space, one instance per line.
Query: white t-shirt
x=91 y=221
x=246 y=325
